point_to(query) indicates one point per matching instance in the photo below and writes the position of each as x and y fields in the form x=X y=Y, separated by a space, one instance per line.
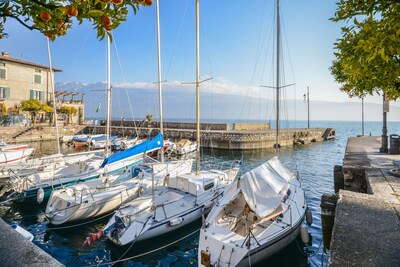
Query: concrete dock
x=366 y=229
x=15 y=250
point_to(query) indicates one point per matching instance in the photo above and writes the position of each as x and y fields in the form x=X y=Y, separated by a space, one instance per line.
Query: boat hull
x=59 y=213
x=14 y=155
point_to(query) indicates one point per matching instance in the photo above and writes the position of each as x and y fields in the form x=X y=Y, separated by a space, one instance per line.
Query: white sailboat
x=101 y=196
x=261 y=212
x=185 y=199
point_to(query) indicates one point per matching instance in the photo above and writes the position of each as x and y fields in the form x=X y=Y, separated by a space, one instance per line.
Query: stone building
x=23 y=80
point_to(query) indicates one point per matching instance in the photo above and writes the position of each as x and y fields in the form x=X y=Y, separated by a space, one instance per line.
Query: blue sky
x=236 y=48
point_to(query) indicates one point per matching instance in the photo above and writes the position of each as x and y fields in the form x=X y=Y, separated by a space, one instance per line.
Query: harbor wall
x=226 y=139
x=170 y=125
x=250 y=126
x=366 y=229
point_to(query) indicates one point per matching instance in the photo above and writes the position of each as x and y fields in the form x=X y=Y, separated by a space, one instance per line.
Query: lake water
x=314 y=162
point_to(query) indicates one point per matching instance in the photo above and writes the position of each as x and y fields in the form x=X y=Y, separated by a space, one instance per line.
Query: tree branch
x=21 y=21
x=49 y=6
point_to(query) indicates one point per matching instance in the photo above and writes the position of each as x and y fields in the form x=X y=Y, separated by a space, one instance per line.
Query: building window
x=4 y=93
x=3 y=73
x=39 y=95
x=37 y=78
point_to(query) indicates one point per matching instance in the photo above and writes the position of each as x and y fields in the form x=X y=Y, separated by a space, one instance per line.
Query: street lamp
x=384 y=146
x=307 y=100
x=362 y=115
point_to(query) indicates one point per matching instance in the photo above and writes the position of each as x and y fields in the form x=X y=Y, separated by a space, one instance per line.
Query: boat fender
x=304 y=234
x=22 y=232
x=308 y=216
x=40 y=195
x=93 y=237
x=208 y=205
x=175 y=221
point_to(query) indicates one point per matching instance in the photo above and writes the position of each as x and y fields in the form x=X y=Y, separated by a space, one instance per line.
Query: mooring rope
x=312 y=254
x=80 y=224
x=145 y=253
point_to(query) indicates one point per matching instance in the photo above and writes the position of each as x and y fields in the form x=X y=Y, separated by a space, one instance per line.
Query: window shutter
x=2 y=73
x=32 y=94
x=38 y=78
x=41 y=96
x=7 y=93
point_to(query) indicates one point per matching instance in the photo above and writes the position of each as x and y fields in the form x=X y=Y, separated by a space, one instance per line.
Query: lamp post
x=362 y=115
x=384 y=146
x=307 y=100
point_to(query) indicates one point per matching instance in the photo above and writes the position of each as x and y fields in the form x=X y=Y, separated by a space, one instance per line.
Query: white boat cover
x=261 y=186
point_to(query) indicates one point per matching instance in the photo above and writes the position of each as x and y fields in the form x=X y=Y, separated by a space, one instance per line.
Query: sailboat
x=260 y=213
x=185 y=198
x=31 y=166
x=101 y=196
x=38 y=186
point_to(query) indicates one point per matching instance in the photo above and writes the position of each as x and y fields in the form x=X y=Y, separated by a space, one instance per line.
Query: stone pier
x=366 y=229
x=240 y=136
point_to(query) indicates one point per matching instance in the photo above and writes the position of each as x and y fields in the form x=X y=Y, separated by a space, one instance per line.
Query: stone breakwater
x=241 y=136
x=229 y=139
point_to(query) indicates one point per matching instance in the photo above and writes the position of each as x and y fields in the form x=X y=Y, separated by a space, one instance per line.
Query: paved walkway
x=380 y=182
x=367 y=227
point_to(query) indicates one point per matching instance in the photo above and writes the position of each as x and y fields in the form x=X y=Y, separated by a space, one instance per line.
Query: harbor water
x=314 y=163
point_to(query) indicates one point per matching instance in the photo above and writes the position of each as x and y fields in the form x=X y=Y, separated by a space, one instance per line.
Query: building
x=23 y=80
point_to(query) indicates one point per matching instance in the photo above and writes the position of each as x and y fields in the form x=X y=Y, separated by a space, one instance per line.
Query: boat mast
x=278 y=42
x=159 y=76
x=197 y=90
x=108 y=94
x=54 y=97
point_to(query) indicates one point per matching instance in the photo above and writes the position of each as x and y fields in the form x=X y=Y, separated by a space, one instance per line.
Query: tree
x=69 y=111
x=49 y=111
x=368 y=54
x=3 y=109
x=34 y=106
x=54 y=17
x=149 y=118
x=13 y=110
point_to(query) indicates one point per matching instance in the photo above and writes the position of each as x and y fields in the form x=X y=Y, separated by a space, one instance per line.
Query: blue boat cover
x=97 y=138
x=156 y=142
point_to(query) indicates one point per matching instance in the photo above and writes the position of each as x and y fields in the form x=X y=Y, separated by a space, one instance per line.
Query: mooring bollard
x=328 y=206
x=338 y=178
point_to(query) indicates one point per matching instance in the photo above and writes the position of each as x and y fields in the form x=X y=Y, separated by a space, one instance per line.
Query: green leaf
x=95 y=13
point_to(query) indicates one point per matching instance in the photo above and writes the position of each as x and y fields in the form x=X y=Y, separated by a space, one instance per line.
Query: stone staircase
x=40 y=132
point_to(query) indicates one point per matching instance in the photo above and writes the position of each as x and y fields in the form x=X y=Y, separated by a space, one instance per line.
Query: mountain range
x=137 y=100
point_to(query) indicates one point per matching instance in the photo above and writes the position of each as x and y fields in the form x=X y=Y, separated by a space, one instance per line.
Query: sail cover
x=148 y=146
x=262 y=185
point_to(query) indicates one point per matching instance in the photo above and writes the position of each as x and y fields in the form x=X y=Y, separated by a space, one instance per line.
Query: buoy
x=40 y=195
x=308 y=216
x=304 y=234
